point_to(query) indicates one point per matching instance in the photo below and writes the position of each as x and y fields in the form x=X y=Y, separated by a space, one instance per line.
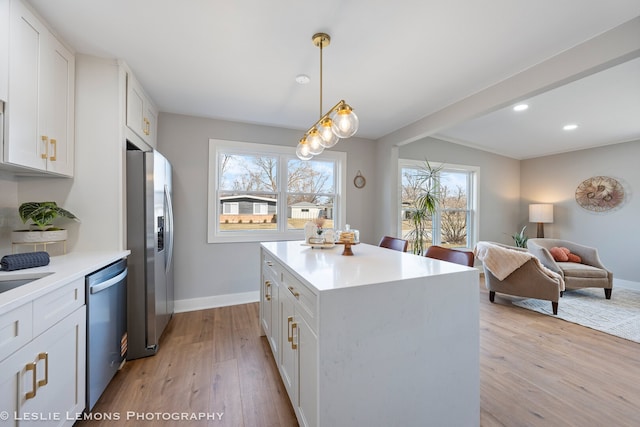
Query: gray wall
x=554 y=179
x=9 y=218
x=507 y=186
x=203 y=270
x=499 y=183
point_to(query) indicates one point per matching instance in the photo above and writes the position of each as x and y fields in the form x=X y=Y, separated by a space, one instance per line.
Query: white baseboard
x=626 y=284
x=204 y=303
x=194 y=304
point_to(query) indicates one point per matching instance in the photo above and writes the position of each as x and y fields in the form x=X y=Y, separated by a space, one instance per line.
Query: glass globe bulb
x=313 y=141
x=329 y=138
x=302 y=150
x=345 y=122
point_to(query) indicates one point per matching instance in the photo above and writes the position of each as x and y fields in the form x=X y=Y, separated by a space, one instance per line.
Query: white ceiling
x=605 y=106
x=393 y=62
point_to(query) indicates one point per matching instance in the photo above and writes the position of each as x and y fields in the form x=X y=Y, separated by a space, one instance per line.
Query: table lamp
x=541 y=213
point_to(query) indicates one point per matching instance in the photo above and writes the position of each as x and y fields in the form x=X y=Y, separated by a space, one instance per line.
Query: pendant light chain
x=339 y=122
x=321 y=46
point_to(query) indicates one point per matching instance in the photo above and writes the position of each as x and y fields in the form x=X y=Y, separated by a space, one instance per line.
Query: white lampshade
x=541 y=213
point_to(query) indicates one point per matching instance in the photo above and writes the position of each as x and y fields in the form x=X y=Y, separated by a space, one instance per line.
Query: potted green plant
x=424 y=206
x=520 y=238
x=41 y=216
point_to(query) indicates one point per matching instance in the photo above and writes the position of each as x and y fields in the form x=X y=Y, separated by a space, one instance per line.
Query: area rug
x=619 y=316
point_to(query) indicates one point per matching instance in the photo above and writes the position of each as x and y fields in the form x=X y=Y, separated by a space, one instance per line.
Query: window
x=260 y=208
x=454 y=224
x=230 y=208
x=252 y=187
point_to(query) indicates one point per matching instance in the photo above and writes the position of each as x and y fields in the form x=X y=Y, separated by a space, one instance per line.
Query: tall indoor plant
x=424 y=206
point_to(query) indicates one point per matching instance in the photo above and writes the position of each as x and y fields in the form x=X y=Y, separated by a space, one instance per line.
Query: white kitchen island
x=378 y=338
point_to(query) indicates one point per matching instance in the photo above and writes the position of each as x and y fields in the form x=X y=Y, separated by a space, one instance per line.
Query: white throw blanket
x=501 y=262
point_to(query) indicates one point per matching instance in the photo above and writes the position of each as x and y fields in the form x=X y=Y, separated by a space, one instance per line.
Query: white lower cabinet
x=16 y=329
x=306 y=358
x=287 y=363
x=299 y=358
x=43 y=364
x=381 y=338
x=293 y=320
x=270 y=297
x=44 y=380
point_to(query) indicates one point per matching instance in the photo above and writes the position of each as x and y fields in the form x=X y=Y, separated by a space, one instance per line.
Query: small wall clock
x=359 y=180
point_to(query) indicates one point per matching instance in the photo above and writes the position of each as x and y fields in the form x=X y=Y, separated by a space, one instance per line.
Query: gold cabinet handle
x=147 y=126
x=289 y=335
x=294 y=292
x=55 y=149
x=45 y=357
x=45 y=140
x=294 y=346
x=31 y=366
x=267 y=295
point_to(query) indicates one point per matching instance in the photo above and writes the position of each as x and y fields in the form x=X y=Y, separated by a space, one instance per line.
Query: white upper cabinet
x=141 y=113
x=40 y=108
x=59 y=108
x=4 y=51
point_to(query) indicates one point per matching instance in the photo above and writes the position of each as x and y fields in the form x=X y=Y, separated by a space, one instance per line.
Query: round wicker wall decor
x=599 y=193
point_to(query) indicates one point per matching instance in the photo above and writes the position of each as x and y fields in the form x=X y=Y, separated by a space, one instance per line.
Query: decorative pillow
x=559 y=254
x=574 y=258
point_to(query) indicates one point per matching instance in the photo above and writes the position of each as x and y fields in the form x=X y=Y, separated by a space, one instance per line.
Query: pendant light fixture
x=339 y=122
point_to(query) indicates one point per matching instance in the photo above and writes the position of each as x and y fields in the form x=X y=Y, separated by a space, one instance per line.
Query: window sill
x=258 y=237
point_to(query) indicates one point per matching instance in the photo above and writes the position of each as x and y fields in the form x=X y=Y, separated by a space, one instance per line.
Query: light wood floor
x=535 y=370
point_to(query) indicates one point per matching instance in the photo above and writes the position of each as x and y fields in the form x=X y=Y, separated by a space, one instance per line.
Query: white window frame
x=473 y=185
x=219 y=146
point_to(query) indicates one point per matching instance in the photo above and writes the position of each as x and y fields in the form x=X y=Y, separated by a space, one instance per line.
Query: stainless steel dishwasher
x=106 y=293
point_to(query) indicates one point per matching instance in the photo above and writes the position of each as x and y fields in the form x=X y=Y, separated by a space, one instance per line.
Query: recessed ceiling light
x=520 y=107
x=570 y=127
x=303 y=79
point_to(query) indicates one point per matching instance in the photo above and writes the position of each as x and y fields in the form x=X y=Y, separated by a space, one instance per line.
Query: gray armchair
x=528 y=281
x=590 y=273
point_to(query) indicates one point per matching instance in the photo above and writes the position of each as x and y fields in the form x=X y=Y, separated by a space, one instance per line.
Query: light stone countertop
x=61 y=270
x=327 y=269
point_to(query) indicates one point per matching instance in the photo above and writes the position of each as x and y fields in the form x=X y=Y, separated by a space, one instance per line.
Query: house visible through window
x=264 y=192
x=454 y=223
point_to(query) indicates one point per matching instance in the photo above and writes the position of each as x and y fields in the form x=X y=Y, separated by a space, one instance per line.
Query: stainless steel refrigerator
x=150 y=293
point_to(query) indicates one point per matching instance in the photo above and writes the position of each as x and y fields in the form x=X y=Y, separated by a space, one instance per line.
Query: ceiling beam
x=611 y=48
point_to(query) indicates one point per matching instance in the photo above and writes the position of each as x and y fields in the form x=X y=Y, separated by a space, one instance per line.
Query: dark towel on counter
x=26 y=260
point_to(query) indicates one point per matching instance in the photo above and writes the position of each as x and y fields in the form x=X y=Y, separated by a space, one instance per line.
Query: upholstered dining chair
x=451 y=255
x=394 y=243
